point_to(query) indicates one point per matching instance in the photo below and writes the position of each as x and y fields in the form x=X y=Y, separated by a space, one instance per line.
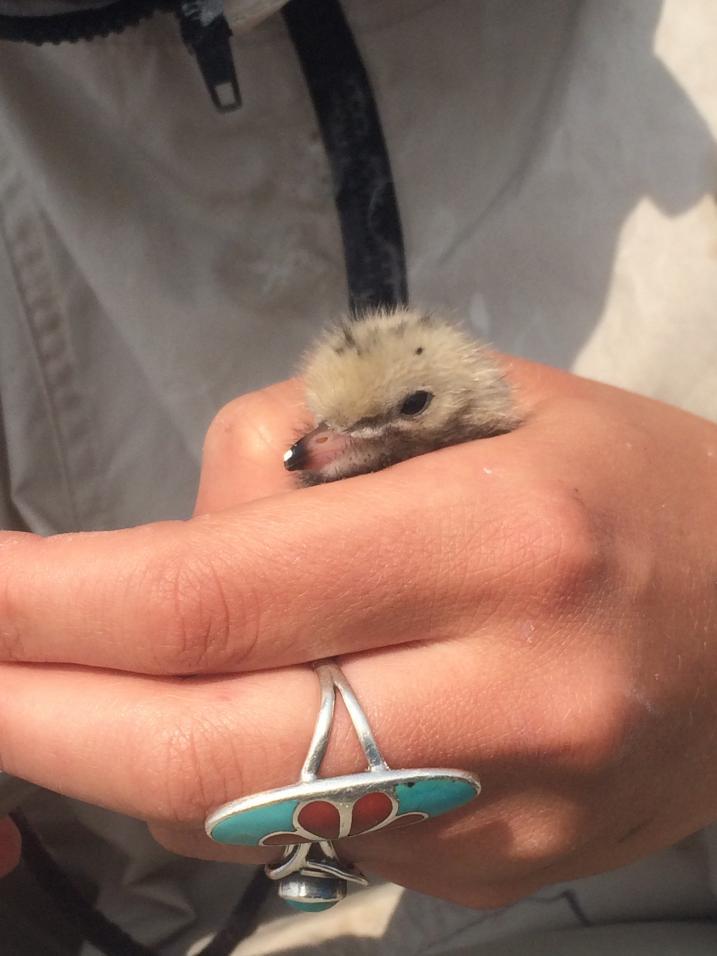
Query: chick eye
x=415 y=403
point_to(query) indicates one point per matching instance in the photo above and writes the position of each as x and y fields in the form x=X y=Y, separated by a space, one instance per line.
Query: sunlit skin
x=538 y=607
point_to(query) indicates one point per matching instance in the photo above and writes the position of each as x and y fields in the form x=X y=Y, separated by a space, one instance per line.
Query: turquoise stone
x=310 y=907
x=248 y=827
x=434 y=796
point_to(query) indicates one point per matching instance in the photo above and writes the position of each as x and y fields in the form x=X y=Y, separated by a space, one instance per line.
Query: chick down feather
x=395 y=384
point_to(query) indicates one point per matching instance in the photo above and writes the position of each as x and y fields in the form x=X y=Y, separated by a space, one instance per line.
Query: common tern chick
x=395 y=384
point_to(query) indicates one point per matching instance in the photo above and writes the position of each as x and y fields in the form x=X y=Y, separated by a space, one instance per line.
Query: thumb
x=245 y=445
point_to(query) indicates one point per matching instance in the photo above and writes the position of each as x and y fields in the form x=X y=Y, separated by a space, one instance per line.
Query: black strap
x=105 y=935
x=351 y=129
x=92 y=925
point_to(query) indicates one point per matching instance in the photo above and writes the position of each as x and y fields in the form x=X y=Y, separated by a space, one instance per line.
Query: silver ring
x=306 y=817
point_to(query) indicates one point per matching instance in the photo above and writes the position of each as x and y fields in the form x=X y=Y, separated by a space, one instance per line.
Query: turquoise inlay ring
x=308 y=816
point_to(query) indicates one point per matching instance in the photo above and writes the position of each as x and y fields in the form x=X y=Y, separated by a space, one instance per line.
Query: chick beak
x=316 y=450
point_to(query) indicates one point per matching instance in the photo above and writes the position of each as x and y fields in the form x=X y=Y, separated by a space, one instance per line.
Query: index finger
x=359 y=564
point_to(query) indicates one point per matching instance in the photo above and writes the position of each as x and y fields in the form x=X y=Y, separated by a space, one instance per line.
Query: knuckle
x=191 y=612
x=561 y=543
x=229 y=418
x=546 y=838
x=587 y=724
x=235 y=425
x=602 y=736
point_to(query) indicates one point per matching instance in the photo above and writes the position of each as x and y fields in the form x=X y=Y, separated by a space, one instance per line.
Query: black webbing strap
x=351 y=129
x=79 y=912
x=107 y=936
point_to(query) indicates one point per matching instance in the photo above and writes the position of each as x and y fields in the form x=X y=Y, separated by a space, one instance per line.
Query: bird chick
x=392 y=385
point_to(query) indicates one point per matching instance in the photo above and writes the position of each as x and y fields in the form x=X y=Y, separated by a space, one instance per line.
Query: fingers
x=156 y=749
x=424 y=550
x=287 y=579
x=168 y=751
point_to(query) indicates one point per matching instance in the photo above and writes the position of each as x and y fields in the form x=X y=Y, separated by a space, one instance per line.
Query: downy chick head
x=392 y=385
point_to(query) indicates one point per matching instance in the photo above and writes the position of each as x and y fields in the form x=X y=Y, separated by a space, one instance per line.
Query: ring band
x=306 y=817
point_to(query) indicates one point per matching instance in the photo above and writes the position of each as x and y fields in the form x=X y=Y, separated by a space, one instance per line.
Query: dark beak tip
x=294 y=458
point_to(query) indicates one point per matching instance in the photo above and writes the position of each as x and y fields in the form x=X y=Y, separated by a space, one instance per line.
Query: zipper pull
x=208 y=39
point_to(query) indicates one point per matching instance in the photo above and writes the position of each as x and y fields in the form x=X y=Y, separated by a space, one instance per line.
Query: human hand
x=538 y=608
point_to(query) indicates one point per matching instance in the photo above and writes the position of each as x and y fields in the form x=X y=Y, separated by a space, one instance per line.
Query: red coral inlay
x=320 y=817
x=369 y=811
